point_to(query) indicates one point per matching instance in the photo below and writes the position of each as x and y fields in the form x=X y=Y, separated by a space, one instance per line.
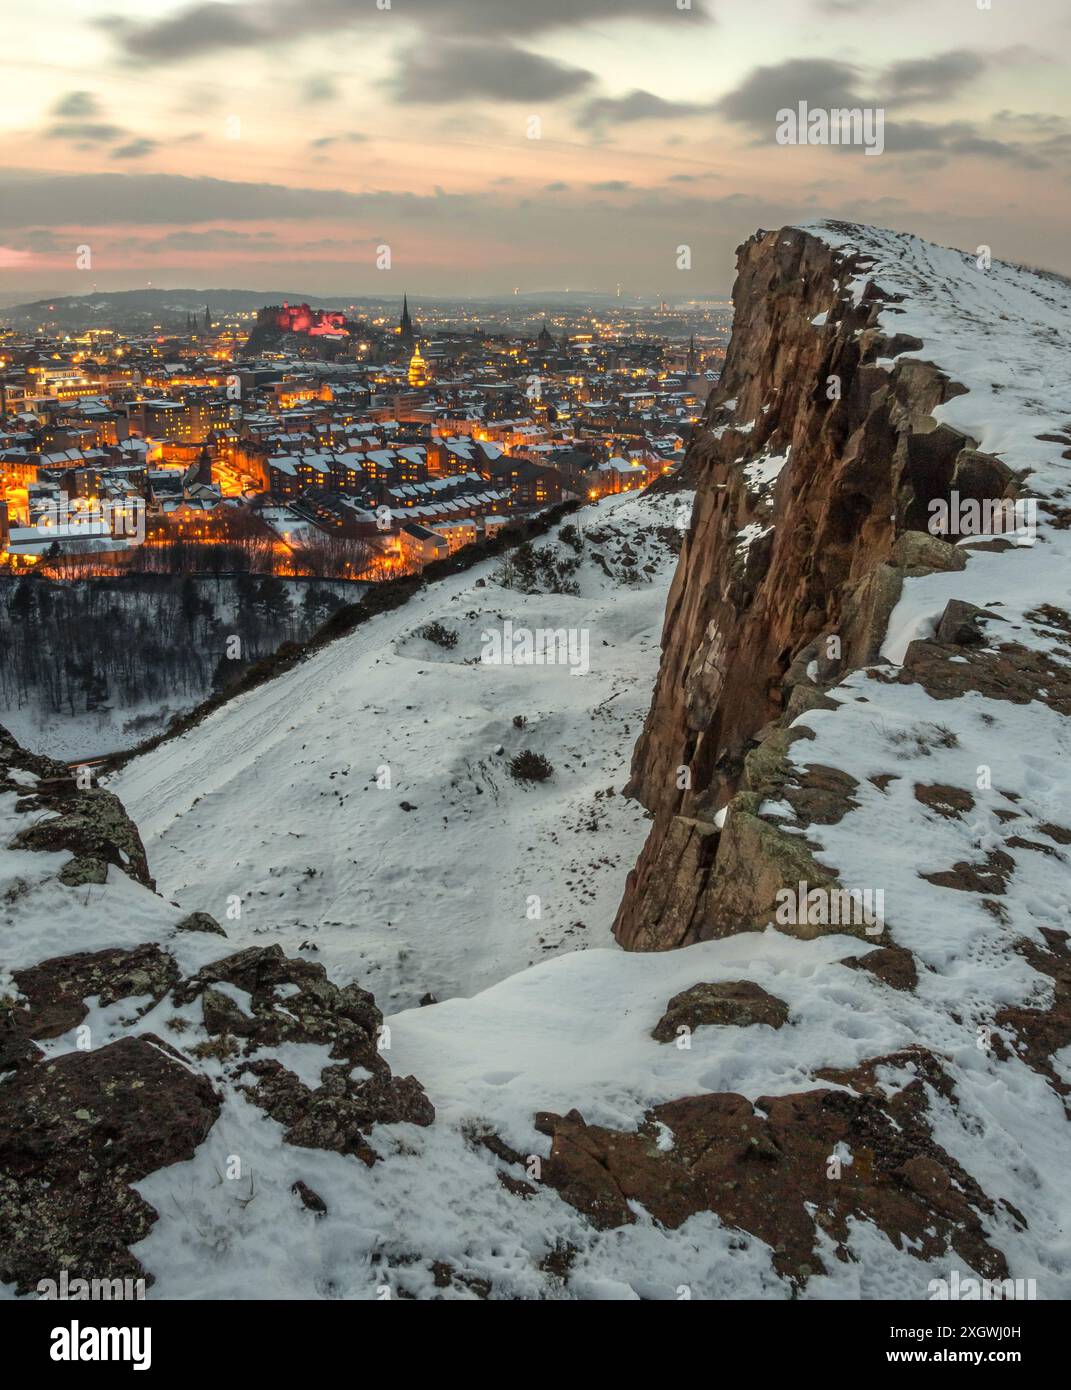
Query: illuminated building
x=317 y=323
x=418 y=371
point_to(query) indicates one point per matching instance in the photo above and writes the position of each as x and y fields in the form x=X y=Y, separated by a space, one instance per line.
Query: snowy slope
x=283 y=782
x=279 y=799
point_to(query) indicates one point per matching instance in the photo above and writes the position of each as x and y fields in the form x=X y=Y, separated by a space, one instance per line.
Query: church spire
x=405 y=327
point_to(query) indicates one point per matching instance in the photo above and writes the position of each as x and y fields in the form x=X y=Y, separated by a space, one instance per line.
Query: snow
x=749 y=534
x=761 y=472
x=279 y=799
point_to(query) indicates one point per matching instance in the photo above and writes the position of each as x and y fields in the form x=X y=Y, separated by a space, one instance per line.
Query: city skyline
x=252 y=145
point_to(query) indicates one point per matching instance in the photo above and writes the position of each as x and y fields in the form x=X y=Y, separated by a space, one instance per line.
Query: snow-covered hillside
x=770 y=1114
x=362 y=809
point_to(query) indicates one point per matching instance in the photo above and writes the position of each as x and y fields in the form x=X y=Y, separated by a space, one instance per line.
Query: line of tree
x=113 y=644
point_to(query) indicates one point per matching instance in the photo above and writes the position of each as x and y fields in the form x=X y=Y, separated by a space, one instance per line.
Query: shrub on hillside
x=530 y=767
x=440 y=635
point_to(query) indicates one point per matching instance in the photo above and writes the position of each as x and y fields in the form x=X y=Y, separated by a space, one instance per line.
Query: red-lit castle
x=317 y=323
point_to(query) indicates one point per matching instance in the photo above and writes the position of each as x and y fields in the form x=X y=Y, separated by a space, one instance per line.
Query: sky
x=495 y=145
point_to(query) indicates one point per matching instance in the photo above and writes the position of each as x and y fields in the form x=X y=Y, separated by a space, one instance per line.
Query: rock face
x=802 y=740
x=88 y=822
x=784 y=1169
x=83 y=1117
x=74 y=1134
x=815 y=468
x=736 y=1003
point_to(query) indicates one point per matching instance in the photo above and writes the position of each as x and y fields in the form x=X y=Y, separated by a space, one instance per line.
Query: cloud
x=77 y=104
x=136 y=149
x=958 y=138
x=85 y=132
x=211 y=26
x=610 y=186
x=191 y=33
x=39 y=241
x=821 y=82
x=317 y=89
x=348 y=137
x=825 y=83
x=438 y=72
x=932 y=79
x=216 y=239
x=1037 y=122
x=638 y=105
x=104 y=200
x=78 y=108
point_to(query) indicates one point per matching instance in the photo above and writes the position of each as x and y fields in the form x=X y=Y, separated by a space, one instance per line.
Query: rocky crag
x=863 y=688
x=92 y=1099
x=820 y=457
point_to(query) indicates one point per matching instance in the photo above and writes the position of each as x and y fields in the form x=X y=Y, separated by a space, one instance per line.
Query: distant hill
x=144 y=307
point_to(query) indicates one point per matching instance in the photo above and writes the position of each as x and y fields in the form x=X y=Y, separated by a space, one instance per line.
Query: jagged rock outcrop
x=92 y=1099
x=815 y=469
x=75 y=1133
x=848 y=699
x=87 y=821
x=790 y=1169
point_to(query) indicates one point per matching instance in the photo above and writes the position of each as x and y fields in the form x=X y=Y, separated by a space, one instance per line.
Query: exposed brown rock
x=769 y=1169
x=989 y=876
x=962 y=625
x=1042 y=1032
x=736 y=1003
x=310 y=1200
x=893 y=965
x=55 y=990
x=74 y=1134
x=760 y=638
x=950 y=802
x=917 y=553
x=1009 y=672
x=200 y=922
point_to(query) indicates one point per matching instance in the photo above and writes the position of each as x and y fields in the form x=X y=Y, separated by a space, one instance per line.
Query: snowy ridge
x=1005 y=334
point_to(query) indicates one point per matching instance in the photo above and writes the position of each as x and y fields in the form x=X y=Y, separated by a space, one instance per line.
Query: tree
x=272 y=598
